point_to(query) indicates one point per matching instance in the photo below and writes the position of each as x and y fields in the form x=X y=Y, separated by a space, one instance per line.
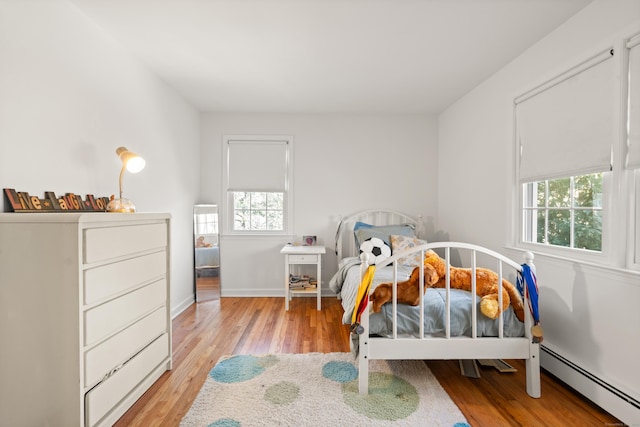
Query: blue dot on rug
x=225 y=422
x=341 y=372
x=461 y=425
x=240 y=368
x=390 y=397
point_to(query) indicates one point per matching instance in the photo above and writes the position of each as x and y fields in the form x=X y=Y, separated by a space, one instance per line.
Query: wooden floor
x=225 y=326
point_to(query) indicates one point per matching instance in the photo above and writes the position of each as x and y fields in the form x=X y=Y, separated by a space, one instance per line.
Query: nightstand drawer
x=303 y=259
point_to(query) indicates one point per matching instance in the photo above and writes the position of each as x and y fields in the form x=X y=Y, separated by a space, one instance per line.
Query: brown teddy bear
x=408 y=291
x=460 y=278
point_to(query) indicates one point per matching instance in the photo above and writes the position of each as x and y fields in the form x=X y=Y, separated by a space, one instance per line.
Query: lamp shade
x=134 y=164
x=130 y=160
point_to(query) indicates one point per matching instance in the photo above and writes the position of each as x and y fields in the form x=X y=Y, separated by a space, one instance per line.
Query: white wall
x=589 y=314
x=70 y=95
x=342 y=164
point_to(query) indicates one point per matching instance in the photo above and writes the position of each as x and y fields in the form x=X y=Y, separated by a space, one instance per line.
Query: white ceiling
x=316 y=56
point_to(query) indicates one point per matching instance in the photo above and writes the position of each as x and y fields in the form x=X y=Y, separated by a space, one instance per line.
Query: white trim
x=626 y=223
x=633 y=41
x=631 y=159
x=616 y=273
x=573 y=71
x=595 y=388
x=633 y=244
x=183 y=305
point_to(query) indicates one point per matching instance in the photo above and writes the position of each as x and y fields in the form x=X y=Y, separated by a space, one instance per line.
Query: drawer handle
x=112 y=372
x=116 y=369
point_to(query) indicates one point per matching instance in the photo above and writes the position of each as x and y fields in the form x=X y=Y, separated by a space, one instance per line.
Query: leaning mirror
x=206 y=252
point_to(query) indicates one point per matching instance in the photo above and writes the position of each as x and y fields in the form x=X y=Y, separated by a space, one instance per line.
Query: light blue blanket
x=345 y=284
x=208 y=257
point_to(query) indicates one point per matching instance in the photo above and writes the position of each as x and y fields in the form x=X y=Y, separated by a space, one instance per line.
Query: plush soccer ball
x=377 y=249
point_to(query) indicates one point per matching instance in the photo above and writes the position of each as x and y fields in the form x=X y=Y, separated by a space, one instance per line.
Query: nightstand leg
x=286 y=282
x=319 y=282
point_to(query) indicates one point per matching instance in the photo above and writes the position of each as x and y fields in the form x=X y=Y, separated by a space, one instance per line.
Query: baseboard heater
x=617 y=392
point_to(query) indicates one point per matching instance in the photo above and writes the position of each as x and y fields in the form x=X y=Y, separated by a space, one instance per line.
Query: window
x=206 y=223
x=578 y=164
x=566 y=133
x=564 y=212
x=262 y=211
x=257 y=178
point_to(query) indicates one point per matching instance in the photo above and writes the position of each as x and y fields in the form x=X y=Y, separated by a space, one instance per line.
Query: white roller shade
x=566 y=126
x=257 y=165
x=633 y=154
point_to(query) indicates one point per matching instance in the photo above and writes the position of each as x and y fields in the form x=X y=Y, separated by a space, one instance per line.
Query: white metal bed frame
x=429 y=347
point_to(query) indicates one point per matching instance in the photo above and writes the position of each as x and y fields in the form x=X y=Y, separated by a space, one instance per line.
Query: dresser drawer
x=111 y=242
x=106 y=395
x=100 y=360
x=105 y=319
x=303 y=259
x=111 y=279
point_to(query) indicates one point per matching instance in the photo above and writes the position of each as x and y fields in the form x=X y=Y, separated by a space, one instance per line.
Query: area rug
x=318 y=389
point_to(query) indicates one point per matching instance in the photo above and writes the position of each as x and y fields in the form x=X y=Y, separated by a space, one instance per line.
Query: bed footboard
x=425 y=347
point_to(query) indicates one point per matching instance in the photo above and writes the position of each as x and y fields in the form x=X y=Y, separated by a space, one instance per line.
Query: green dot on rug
x=390 y=397
x=282 y=393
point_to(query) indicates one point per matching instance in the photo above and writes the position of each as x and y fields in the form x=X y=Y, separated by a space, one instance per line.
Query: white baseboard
x=613 y=400
x=182 y=306
x=262 y=293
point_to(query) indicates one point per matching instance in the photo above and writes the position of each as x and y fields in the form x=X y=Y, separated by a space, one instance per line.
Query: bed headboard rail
x=345 y=240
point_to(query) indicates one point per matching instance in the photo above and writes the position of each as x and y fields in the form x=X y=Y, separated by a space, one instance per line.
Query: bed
x=448 y=323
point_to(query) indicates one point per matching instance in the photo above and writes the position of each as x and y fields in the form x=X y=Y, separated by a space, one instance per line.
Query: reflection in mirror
x=206 y=252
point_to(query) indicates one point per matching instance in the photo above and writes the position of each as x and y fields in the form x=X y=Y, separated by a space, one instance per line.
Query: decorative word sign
x=21 y=201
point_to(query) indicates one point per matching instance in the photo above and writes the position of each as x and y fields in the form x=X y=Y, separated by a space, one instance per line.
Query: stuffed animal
x=486 y=286
x=200 y=243
x=408 y=291
x=460 y=278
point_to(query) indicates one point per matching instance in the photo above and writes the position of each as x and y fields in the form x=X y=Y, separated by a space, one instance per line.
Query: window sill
x=623 y=272
x=257 y=234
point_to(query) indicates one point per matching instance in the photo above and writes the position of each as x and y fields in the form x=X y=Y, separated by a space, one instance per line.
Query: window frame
x=227 y=220
x=601 y=257
x=633 y=247
x=631 y=181
x=621 y=190
x=215 y=224
x=250 y=210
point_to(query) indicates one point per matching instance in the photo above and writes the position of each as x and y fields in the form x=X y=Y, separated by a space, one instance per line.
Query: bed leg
x=363 y=366
x=533 y=371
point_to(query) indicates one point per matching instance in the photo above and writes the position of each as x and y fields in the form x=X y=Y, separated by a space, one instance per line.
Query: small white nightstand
x=302 y=255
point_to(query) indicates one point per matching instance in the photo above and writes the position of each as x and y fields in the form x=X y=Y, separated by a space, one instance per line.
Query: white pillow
x=403 y=243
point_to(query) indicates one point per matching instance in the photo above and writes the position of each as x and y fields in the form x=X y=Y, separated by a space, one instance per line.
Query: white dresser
x=85 y=324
